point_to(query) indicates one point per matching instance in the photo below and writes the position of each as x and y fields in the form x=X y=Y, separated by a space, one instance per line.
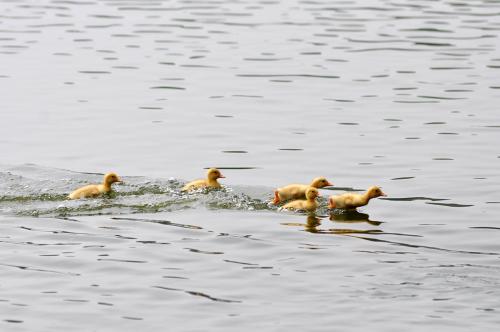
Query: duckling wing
x=292 y=191
x=91 y=190
x=194 y=185
x=350 y=202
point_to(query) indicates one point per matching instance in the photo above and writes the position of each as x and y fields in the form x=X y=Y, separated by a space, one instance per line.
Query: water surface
x=397 y=94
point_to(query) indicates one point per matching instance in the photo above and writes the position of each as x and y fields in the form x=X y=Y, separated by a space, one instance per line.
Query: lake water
x=401 y=94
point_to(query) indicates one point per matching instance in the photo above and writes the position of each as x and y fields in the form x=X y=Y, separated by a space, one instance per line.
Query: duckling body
x=210 y=182
x=298 y=191
x=308 y=204
x=352 y=201
x=94 y=190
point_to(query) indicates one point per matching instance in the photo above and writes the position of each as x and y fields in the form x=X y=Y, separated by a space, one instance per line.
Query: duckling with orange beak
x=309 y=204
x=94 y=190
x=352 y=201
x=298 y=191
x=210 y=182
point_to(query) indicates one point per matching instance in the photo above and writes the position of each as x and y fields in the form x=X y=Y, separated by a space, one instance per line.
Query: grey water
x=401 y=94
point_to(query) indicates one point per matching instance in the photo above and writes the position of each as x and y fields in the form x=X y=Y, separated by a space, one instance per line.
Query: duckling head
x=214 y=174
x=320 y=182
x=375 y=192
x=312 y=193
x=110 y=178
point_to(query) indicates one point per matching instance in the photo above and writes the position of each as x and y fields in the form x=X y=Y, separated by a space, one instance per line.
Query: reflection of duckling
x=94 y=190
x=312 y=223
x=309 y=204
x=298 y=191
x=353 y=216
x=211 y=181
x=353 y=201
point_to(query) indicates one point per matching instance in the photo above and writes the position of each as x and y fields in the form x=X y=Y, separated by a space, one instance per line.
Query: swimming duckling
x=93 y=190
x=353 y=201
x=298 y=191
x=211 y=181
x=308 y=204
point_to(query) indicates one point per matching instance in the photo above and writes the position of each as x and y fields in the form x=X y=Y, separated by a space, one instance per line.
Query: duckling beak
x=329 y=183
x=119 y=180
x=222 y=176
x=383 y=194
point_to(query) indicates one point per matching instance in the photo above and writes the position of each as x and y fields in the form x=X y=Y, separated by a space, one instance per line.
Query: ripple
x=440 y=98
x=484 y=227
x=288 y=75
x=416 y=101
x=451 y=68
x=428 y=247
x=158 y=221
x=94 y=72
x=168 y=87
x=266 y=59
x=234 y=167
x=198 y=251
x=237 y=262
x=28 y=268
x=450 y=204
x=404 y=178
x=387 y=49
x=248 y=96
x=120 y=260
x=198 y=294
x=410 y=199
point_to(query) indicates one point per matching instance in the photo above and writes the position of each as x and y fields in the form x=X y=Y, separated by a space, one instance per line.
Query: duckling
x=353 y=201
x=93 y=190
x=298 y=191
x=308 y=204
x=211 y=181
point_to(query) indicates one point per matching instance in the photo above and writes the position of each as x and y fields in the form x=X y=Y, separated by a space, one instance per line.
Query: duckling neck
x=311 y=203
x=365 y=198
x=212 y=182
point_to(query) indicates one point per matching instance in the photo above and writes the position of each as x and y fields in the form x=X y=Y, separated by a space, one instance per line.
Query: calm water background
x=402 y=94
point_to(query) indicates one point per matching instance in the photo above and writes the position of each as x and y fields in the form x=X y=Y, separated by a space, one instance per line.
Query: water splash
x=31 y=190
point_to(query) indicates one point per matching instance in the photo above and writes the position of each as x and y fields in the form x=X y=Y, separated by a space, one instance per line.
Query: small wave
x=30 y=190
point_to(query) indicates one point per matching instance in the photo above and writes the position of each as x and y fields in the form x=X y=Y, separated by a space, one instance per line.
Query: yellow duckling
x=298 y=191
x=211 y=181
x=353 y=201
x=308 y=204
x=93 y=190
